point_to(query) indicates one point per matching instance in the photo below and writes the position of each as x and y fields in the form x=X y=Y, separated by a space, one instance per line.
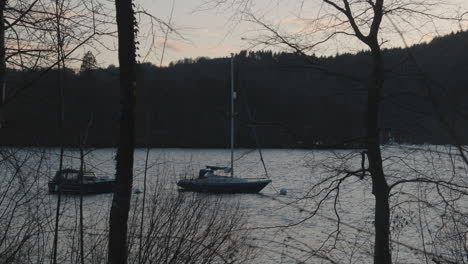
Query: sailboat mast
x=233 y=95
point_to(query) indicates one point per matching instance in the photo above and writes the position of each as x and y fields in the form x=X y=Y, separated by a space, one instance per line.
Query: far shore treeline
x=282 y=95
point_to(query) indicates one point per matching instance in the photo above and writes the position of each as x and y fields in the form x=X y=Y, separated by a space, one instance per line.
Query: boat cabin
x=71 y=175
x=69 y=180
x=67 y=175
x=209 y=171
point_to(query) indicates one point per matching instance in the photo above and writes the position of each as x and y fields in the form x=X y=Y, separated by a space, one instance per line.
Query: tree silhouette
x=88 y=62
x=126 y=23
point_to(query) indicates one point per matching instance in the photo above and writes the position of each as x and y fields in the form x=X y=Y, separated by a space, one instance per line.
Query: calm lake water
x=302 y=225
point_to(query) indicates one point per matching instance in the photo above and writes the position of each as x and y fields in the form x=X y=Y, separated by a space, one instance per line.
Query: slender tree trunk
x=380 y=188
x=82 y=261
x=2 y=60
x=117 y=252
x=61 y=120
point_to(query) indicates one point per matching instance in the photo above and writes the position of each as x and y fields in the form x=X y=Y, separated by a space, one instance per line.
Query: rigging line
x=254 y=130
x=244 y=154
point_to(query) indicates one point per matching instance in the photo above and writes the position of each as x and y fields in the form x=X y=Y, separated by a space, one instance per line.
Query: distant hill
x=281 y=95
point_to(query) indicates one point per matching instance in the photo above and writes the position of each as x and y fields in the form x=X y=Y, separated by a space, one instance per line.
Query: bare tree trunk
x=61 y=118
x=2 y=59
x=380 y=187
x=82 y=261
x=117 y=252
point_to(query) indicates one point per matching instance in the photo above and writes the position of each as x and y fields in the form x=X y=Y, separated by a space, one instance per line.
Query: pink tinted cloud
x=172 y=45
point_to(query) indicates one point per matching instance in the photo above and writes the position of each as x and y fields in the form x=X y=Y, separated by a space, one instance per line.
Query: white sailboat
x=209 y=179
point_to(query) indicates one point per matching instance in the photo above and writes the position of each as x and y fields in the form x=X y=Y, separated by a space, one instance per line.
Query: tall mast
x=233 y=95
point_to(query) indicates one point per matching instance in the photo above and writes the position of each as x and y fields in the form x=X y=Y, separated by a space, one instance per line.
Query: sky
x=204 y=31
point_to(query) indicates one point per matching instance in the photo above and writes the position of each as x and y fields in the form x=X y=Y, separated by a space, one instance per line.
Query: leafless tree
x=178 y=227
x=187 y=228
x=124 y=169
x=449 y=236
x=30 y=36
x=362 y=21
x=23 y=206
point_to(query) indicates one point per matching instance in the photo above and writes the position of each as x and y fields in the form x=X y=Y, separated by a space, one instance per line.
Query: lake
x=318 y=221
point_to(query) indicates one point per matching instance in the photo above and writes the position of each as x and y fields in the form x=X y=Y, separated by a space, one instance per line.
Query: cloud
x=172 y=45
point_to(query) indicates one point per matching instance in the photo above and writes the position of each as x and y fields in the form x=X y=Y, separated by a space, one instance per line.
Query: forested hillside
x=283 y=95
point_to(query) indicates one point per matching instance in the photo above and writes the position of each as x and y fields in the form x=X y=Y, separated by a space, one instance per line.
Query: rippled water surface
x=309 y=224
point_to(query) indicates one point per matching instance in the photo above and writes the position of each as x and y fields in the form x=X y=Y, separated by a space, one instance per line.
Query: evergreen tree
x=88 y=63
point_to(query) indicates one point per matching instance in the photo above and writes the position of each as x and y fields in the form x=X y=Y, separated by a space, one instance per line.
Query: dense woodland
x=281 y=95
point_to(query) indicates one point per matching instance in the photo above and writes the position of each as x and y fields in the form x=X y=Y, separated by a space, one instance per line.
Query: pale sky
x=218 y=32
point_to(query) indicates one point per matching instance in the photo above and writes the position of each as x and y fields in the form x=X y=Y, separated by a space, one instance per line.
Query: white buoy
x=283 y=191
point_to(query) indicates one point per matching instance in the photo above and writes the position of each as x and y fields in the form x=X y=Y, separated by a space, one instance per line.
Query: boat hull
x=88 y=188
x=222 y=187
